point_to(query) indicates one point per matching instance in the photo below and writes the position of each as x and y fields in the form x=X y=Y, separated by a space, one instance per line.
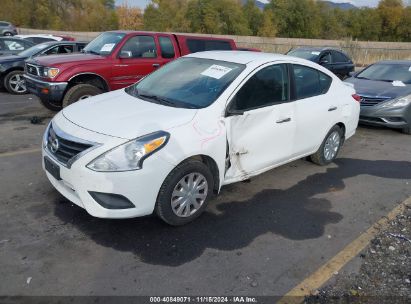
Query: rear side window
x=199 y=45
x=14 y=45
x=140 y=47
x=38 y=40
x=4 y=24
x=167 y=47
x=339 y=57
x=310 y=82
x=267 y=87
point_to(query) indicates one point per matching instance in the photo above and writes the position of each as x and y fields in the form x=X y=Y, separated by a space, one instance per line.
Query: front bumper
x=52 y=92
x=396 y=118
x=79 y=184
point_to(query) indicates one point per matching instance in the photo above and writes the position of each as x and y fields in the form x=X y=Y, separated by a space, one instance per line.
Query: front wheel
x=329 y=148
x=80 y=92
x=185 y=193
x=14 y=83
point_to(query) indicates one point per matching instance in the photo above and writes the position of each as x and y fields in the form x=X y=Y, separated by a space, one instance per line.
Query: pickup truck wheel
x=329 y=148
x=49 y=105
x=14 y=83
x=80 y=92
x=185 y=193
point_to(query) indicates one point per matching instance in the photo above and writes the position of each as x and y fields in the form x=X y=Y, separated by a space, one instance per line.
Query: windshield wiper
x=90 y=52
x=158 y=99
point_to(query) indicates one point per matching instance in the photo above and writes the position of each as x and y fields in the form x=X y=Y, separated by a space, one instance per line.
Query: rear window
x=339 y=57
x=167 y=47
x=199 y=45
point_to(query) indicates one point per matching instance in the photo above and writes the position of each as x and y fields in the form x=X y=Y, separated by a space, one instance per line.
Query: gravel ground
x=385 y=272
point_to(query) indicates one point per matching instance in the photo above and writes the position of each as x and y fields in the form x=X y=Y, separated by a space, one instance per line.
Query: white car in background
x=167 y=143
x=40 y=38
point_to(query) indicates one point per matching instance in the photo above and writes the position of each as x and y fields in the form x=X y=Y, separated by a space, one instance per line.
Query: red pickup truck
x=111 y=61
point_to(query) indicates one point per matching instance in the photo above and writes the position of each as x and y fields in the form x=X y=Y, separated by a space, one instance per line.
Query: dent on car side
x=208 y=132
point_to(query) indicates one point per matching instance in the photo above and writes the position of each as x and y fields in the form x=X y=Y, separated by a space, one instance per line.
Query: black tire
x=14 y=88
x=319 y=157
x=50 y=105
x=163 y=206
x=407 y=130
x=79 y=92
x=8 y=34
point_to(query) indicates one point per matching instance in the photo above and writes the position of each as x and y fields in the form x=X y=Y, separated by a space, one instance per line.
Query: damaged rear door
x=261 y=123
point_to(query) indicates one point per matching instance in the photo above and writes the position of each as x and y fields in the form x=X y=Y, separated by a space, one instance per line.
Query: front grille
x=34 y=70
x=367 y=101
x=62 y=148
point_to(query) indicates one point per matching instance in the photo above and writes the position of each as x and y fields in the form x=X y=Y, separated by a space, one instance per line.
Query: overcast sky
x=143 y=3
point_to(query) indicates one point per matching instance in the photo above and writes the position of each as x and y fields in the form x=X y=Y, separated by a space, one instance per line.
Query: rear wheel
x=80 y=92
x=329 y=148
x=8 y=34
x=14 y=83
x=185 y=193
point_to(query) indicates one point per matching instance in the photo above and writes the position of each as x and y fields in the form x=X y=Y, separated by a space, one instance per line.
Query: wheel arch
x=212 y=165
x=89 y=78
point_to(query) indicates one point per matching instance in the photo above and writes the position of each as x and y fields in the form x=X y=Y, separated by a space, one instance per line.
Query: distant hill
x=343 y=6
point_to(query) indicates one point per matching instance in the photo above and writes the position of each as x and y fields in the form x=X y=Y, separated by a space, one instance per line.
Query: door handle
x=283 y=120
x=332 y=109
x=156 y=65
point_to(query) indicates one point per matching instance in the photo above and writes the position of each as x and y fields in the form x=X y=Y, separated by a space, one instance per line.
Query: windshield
x=305 y=54
x=104 y=44
x=34 y=50
x=187 y=82
x=387 y=72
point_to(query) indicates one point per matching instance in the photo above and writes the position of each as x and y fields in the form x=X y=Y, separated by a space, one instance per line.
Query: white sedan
x=171 y=141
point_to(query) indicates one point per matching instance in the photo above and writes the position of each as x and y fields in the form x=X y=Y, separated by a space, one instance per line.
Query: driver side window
x=140 y=47
x=267 y=87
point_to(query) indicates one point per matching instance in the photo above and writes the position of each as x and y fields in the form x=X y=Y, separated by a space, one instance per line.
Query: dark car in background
x=12 y=67
x=385 y=91
x=7 y=29
x=333 y=59
x=12 y=46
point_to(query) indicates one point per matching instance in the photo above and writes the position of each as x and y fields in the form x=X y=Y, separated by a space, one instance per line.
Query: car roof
x=317 y=48
x=398 y=62
x=244 y=57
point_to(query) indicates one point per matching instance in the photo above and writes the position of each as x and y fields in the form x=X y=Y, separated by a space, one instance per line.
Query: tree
x=129 y=18
x=267 y=28
x=254 y=16
x=391 y=14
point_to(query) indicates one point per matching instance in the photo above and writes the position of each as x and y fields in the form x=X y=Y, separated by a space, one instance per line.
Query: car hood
x=4 y=59
x=76 y=58
x=121 y=115
x=375 y=88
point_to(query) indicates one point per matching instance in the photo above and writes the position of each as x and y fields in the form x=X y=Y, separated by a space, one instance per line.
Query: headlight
x=130 y=156
x=50 y=72
x=398 y=102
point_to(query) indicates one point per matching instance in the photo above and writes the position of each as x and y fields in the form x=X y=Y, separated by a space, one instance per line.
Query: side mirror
x=232 y=112
x=125 y=54
x=353 y=74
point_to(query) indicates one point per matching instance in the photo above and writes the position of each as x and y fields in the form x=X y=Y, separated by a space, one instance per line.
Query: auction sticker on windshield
x=216 y=71
x=107 y=47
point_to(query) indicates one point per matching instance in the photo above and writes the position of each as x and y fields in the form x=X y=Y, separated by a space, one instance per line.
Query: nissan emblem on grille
x=54 y=145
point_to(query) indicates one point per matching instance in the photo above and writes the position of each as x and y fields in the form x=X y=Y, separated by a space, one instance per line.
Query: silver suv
x=7 y=29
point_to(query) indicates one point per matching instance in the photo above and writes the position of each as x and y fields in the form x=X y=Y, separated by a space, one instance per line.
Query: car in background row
x=40 y=38
x=335 y=60
x=171 y=141
x=7 y=29
x=12 y=67
x=12 y=45
x=111 y=61
x=385 y=91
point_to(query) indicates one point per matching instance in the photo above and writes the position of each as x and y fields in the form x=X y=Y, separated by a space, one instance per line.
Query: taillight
x=356 y=97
